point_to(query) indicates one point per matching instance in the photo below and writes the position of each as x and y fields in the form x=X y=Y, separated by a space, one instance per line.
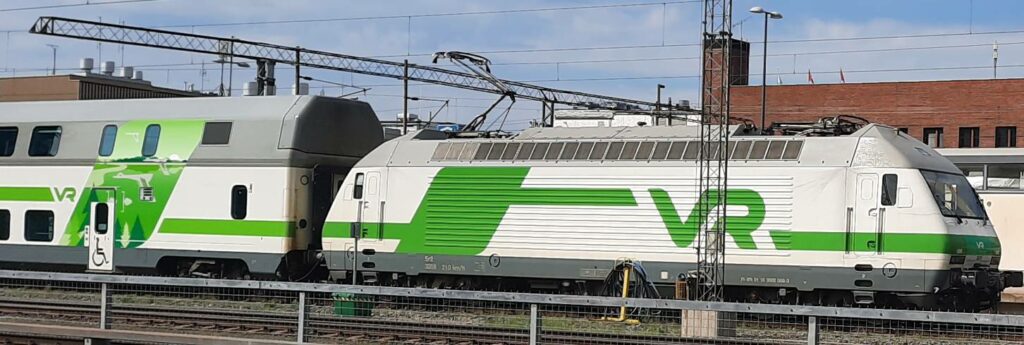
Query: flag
x=842 y=77
x=810 y=78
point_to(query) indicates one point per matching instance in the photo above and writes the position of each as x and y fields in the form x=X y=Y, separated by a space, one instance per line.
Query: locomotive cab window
x=107 y=139
x=45 y=141
x=5 y=225
x=216 y=133
x=954 y=195
x=39 y=226
x=8 y=137
x=239 y=202
x=357 y=192
x=889 y=182
x=151 y=141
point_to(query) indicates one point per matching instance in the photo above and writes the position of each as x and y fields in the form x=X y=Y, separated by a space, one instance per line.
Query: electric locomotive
x=872 y=217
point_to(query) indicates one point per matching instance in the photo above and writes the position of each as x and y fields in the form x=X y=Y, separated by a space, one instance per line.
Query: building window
x=149 y=144
x=45 y=141
x=889 y=189
x=239 y=202
x=933 y=137
x=5 y=225
x=39 y=226
x=8 y=137
x=1006 y=136
x=107 y=140
x=216 y=133
x=969 y=136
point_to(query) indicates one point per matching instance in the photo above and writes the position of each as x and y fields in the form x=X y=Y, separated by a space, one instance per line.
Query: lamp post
x=764 y=65
x=54 y=48
x=231 y=70
x=657 y=105
x=343 y=86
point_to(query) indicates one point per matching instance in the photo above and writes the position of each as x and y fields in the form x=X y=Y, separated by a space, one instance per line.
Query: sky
x=621 y=48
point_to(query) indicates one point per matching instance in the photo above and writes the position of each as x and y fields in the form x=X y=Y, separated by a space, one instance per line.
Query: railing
x=266 y=311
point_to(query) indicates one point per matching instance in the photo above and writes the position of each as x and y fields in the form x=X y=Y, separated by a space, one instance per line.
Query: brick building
x=948 y=113
x=82 y=86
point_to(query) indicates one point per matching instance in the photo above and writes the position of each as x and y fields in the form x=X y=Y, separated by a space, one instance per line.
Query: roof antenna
x=480 y=66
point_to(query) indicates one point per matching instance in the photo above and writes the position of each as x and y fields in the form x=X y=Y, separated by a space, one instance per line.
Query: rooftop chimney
x=85 y=65
x=107 y=68
x=249 y=88
x=127 y=72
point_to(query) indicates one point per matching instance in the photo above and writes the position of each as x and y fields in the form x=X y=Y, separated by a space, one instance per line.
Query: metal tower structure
x=713 y=163
x=267 y=55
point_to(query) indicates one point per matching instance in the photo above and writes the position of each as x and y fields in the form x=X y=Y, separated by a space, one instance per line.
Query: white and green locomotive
x=874 y=217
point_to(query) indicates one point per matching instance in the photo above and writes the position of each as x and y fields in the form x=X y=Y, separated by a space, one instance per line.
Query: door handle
x=873 y=212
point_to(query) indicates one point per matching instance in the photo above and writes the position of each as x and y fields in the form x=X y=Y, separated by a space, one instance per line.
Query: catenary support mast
x=713 y=163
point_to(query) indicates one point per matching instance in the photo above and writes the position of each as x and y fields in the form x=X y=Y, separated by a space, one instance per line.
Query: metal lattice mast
x=713 y=162
x=297 y=56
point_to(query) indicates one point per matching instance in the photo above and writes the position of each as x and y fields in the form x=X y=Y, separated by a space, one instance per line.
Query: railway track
x=321 y=329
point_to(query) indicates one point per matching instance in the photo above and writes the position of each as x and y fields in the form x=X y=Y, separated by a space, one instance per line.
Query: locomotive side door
x=100 y=231
x=862 y=237
x=371 y=219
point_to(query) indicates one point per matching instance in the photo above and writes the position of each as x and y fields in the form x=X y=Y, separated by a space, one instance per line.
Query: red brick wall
x=916 y=105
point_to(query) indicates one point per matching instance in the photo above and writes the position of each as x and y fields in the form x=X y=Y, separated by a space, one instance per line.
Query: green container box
x=347 y=304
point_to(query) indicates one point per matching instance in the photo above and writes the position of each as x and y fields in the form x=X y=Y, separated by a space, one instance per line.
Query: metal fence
x=332 y=313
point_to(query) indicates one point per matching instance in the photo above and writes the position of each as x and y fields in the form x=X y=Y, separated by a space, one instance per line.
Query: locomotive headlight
x=957 y=260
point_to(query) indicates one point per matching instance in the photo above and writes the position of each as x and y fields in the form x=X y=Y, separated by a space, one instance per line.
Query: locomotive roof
x=873 y=145
x=276 y=131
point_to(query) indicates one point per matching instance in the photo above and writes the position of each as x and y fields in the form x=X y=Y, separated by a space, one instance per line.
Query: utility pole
x=405 y=99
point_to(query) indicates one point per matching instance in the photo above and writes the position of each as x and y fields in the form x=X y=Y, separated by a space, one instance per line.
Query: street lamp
x=361 y=89
x=54 y=48
x=657 y=105
x=231 y=71
x=444 y=103
x=764 y=66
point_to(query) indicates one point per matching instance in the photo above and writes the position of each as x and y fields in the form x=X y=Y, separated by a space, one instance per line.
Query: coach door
x=100 y=232
x=863 y=232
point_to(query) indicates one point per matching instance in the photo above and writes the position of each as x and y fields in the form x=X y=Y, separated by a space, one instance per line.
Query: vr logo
x=68 y=193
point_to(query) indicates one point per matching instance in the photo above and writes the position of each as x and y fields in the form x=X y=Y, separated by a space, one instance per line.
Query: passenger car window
x=216 y=133
x=8 y=137
x=239 y=202
x=100 y=218
x=45 y=141
x=39 y=226
x=107 y=139
x=152 y=140
x=889 y=189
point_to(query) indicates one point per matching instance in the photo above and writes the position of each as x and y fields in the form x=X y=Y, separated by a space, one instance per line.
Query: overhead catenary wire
x=84 y=3
x=427 y=15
